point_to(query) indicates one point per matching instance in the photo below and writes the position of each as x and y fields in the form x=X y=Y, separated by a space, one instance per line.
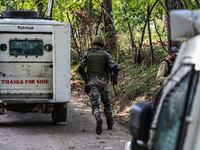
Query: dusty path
x=36 y=132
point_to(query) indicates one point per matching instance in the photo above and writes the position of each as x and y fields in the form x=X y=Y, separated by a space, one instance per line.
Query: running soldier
x=100 y=66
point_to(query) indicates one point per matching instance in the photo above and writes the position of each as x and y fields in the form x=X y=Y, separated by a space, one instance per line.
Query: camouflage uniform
x=164 y=70
x=98 y=83
x=99 y=66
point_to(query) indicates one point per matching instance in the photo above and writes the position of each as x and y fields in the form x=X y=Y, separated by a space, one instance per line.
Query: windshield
x=26 y=47
x=172 y=111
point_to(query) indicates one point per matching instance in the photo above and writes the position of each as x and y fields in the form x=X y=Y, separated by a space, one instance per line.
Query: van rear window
x=26 y=47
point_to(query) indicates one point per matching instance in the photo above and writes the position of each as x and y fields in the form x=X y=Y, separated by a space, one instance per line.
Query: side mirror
x=140 y=121
x=184 y=24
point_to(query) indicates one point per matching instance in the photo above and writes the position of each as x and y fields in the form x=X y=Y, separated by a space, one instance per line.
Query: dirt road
x=35 y=132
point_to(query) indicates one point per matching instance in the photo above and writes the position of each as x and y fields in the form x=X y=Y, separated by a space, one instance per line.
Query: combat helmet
x=98 y=39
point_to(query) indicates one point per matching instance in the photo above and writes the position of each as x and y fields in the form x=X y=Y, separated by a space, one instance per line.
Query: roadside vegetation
x=135 y=82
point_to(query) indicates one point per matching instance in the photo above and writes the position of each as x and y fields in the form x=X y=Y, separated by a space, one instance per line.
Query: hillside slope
x=135 y=82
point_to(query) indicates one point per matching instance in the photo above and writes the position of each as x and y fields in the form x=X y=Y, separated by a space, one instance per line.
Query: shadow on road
x=79 y=120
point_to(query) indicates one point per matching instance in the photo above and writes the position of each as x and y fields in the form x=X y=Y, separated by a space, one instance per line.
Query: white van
x=172 y=122
x=34 y=64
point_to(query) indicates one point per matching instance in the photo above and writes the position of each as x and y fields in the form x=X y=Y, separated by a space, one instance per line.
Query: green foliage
x=10 y=4
x=127 y=15
x=78 y=13
x=136 y=80
x=22 y=4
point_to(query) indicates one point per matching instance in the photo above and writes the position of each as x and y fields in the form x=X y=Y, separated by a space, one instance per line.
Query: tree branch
x=159 y=35
x=97 y=27
x=133 y=45
x=73 y=35
x=198 y=3
x=143 y=31
x=166 y=10
x=150 y=42
x=185 y=4
x=106 y=12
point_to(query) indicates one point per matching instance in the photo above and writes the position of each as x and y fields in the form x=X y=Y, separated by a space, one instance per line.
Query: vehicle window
x=188 y=105
x=171 y=112
x=26 y=47
x=191 y=93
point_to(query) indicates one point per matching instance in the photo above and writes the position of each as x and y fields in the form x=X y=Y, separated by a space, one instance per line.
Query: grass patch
x=135 y=81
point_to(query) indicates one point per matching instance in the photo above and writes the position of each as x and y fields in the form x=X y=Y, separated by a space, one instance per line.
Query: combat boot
x=110 y=123
x=99 y=125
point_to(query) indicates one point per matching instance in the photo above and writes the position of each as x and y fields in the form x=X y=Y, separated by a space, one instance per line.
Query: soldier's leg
x=94 y=97
x=107 y=108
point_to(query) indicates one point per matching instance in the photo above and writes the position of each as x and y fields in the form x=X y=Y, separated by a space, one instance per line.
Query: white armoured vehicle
x=173 y=120
x=34 y=64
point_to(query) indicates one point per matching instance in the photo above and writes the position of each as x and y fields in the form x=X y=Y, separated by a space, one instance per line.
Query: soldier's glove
x=114 y=74
x=115 y=69
x=113 y=78
x=87 y=89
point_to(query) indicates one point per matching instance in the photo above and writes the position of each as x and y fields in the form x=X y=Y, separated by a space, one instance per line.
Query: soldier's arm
x=82 y=67
x=161 y=72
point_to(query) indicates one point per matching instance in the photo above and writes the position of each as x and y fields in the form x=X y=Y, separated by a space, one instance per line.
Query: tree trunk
x=40 y=7
x=90 y=21
x=72 y=33
x=159 y=36
x=111 y=45
x=143 y=32
x=97 y=27
x=133 y=45
x=150 y=41
x=170 y=5
x=163 y=22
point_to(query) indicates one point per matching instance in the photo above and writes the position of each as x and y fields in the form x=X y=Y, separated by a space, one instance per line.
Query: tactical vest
x=96 y=66
x=169 y=65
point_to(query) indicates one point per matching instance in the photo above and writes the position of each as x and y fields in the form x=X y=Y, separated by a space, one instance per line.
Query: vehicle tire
x=19 y=14
x=59 y=113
